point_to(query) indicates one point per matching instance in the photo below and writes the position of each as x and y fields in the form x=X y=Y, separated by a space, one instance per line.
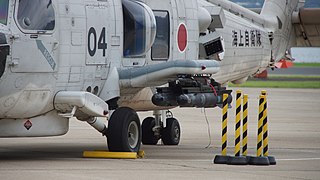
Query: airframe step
x=113 y=155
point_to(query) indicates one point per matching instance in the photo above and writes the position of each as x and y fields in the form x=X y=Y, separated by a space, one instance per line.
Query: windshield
x=134 y=28
x=4 y=5
x=139 y=28
x=36 y=15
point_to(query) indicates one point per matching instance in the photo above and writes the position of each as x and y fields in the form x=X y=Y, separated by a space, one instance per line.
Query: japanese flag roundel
x=182 y=37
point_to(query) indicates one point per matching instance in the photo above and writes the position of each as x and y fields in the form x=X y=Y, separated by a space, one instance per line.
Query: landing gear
x=153 y=130
x=148 y=135
x=124 y=131
x=171 y=133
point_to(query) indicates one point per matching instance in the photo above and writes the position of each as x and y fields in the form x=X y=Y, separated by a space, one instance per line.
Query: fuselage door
x=97 y=34
x=34 y=41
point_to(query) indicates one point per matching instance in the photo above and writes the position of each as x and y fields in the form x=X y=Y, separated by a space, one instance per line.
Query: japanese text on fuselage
x=247 y=38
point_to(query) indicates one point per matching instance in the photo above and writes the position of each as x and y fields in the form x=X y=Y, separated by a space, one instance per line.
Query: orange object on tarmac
x=283 y=64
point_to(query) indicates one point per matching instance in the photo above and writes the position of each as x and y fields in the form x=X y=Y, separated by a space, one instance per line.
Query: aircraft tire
x=171 y=133
x=124 y=131
x=148 y=137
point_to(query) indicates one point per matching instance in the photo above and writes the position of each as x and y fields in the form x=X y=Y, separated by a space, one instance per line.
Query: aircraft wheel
x=148 y=137
x=171 y=133
x=124 y=131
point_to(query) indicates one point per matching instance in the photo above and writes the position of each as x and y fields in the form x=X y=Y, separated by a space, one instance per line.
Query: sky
x=300 y=54
x=306 y=54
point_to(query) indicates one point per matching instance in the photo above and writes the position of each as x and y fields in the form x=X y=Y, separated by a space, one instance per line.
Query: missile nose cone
x=157 y=99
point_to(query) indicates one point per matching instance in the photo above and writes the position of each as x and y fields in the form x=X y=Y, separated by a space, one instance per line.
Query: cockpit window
x=134 y=27
x=4 y=5
x=36 y=15
x=139 y=28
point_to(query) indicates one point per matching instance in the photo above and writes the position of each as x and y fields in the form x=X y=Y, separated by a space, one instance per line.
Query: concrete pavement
x=294 y=128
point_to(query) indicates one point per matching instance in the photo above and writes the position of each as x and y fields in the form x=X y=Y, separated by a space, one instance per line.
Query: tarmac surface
x=294 y=129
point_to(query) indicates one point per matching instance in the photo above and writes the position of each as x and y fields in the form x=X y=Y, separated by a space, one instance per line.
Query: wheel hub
x=177 y=133
x=133 y=134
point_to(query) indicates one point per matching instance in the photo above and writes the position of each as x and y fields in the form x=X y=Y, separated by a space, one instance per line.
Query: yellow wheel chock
x=113 y=155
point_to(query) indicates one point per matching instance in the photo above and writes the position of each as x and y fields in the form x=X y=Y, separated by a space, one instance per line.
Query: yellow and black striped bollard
x=259 y=159
x=245 y=125
x=272 y=160
x=224 y=125
x=260 y=125
x=237 y=159
x=223 y=158
x=238 y=124
x=265 y=125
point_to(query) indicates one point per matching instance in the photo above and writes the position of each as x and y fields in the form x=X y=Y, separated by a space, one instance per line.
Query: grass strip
x=280 y=84
x=306 y=64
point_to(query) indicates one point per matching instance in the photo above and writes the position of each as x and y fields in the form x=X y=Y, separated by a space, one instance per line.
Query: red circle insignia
x=182 y=37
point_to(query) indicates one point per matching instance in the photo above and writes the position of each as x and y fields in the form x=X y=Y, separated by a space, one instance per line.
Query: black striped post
x=245 y=125
x=237 y=159
x=265 y=129
x=259 y=159
x=224 y=138
x=260 y=125
x=237 y=124
x=223 y=158
x=272 y=160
